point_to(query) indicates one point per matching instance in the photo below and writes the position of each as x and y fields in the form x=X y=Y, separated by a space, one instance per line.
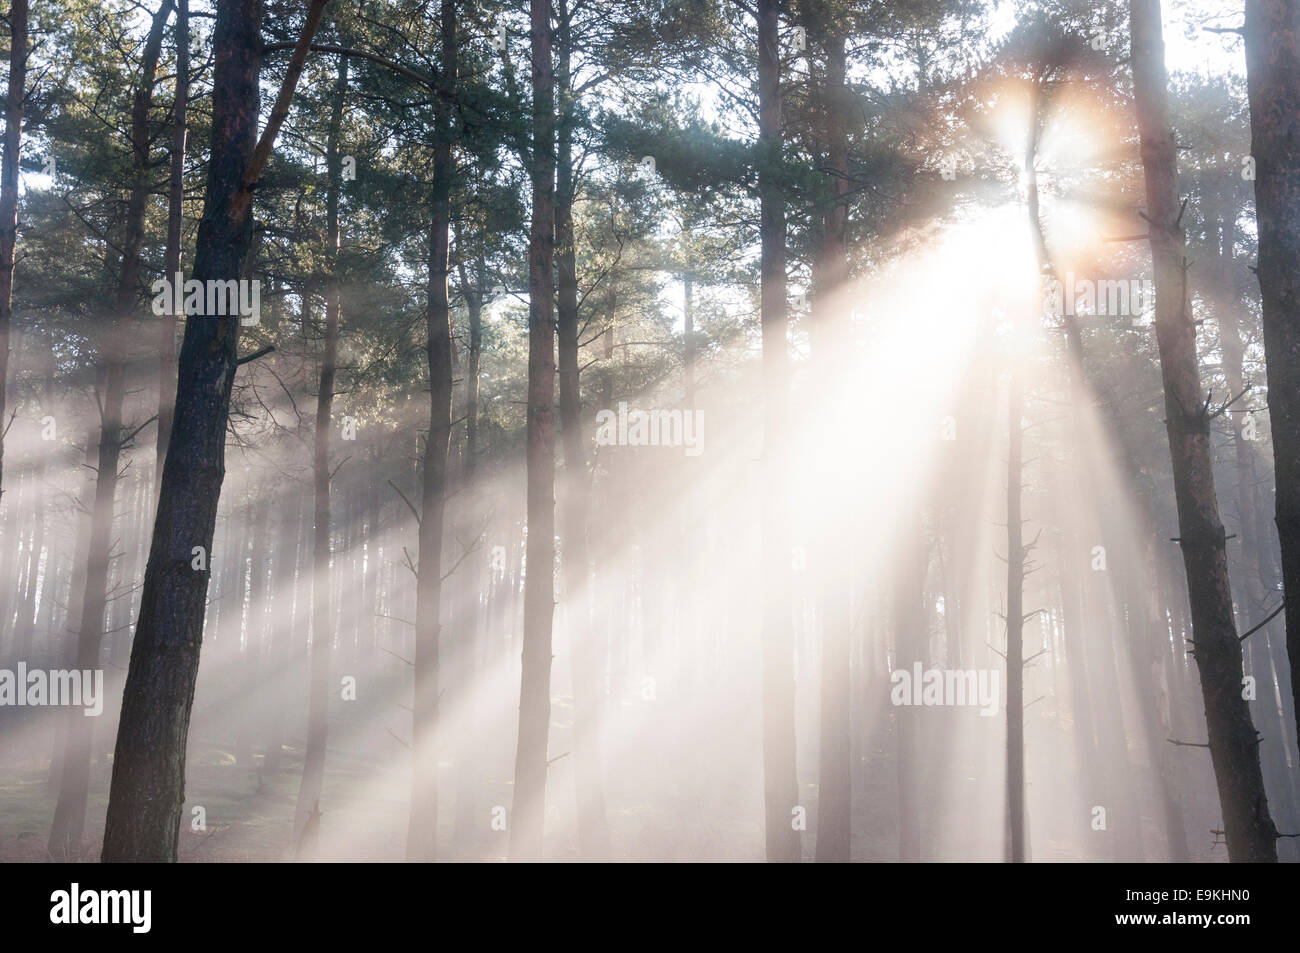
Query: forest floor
x=248 y=816
x=245 y=817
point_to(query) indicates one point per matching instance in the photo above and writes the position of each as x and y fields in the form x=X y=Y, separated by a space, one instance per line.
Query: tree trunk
x=25 y=626
x=307 y=813
x=910 y=638
x=468 y=823
x=689 y=345
x=70 y=812
x=421 y=842
x=139 y=514
x=1145 y=644
x=9 y=193
x=528 y=816
x=172 y=255
x=830 y=341
x=1273 y=85
x=9 y=554
x=1015 y=620
x=281 y=643
x=148 y=787
x=251 y=712
x=1256 y=537
x=1095 y=771
x=780 y=784
x=593 y=826
x=65 y=647
x=1233 y=741
x=1221 y=228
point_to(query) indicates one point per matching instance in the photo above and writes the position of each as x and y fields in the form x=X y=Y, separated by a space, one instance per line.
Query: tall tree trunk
x=1272 y=33
x=1233 y=741
x=1147 y=659
x=528 y=816
x=139 y=513
x=25 y=626
x=1017 y=840
x=43 y=609
x=468 y=823
x=593 y=826
x=65 y=647
x=690 y=347
x=70 y=812
x=307 y=813
x=1222 y=228
x=9 y=193
x=834 y=799
x=148 y=787
x=1256 y=537
x=9 y=554
x=910 y=635
x=226 y=622
x=421 y=841
x=780 y=784
x=250 y=712
x=172 y=255
x=1015 y=620
x=280 y=650
x=1095 y=771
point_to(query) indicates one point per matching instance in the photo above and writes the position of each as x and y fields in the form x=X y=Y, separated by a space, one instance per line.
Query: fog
x=811 y=485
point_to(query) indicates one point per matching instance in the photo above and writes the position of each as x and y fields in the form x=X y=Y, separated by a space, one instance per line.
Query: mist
x=830 y=434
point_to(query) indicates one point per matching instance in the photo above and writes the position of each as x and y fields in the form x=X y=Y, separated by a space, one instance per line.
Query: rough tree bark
x=148 y=786
x=1272 y=33
x=1256 y=545
x=1233 y=742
